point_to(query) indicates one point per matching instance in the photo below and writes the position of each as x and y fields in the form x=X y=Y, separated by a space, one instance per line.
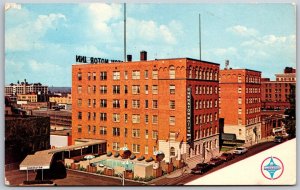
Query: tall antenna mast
x=200 y=36
x=124 y=32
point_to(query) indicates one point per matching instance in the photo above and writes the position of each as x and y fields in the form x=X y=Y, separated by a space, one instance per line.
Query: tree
x=290 y=119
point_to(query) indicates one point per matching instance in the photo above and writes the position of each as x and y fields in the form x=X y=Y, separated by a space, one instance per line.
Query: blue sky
x=41 y=40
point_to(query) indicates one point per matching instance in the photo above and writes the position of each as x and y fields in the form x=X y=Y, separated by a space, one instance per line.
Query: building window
x=135 y=103
x=94 y=76
x=94 y=103
x=155 y=74
x=172 y=120
x=79 y=102
x=154 y=89
x=103 y=103
x=89 y=128
x=146 y=149
x=79 y=89
x=172 y=89
x=125 y=103
x=116 y=75
x=239 y=90
x=239 y=121
x=135 y=74
x=146 y=74
x=146 y=134
x=240 y=111
x=240 y=132
x=116 y=131
x=216 y=116
x=79 y=116
x=136 y=148
x=103 y=117
x=116 y=89
x=196 y=119
x=154 y=134
x=116 y=146
x=136 y=118
x=146 y=119
x=154 y=104
x=116 y=117
x=79 y=76
x=125 y=118
x=239 y=100
x=239 y=79
x=89 y=102
x=154 y=119
x=136 y=133
x=103 y=89
x=136 y=89
x=89 y=76
x=172 y=72
x=146 y=104
x=125 y=89
x=79 y=129
x=146 y=89
x=103 y=75
x=190 y=72
x=125 y=75
x=116 y=103
x=172 y=104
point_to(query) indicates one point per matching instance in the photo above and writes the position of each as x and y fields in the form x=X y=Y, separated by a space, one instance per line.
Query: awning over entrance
x=42 y=159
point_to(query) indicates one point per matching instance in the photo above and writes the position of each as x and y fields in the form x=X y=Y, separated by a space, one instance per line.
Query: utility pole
x=124 y=32
x=200 y=36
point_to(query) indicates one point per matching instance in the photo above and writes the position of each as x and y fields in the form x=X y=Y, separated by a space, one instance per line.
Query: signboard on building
x=94 y=60
x=189 y=115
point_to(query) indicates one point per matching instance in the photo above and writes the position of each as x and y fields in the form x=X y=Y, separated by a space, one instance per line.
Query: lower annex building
x=170 y=105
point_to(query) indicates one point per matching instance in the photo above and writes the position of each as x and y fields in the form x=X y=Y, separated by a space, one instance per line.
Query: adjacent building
x=27 y=97
x=169 y=105
x=275 y=94
x=240 y=103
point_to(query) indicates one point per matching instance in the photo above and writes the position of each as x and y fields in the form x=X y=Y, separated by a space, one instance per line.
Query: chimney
x=226 y=64
x=129 y=58
x=143 y=56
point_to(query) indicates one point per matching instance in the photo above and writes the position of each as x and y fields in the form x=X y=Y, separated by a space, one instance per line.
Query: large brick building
x=240 y=103
x=275 y=94
x=169 y=105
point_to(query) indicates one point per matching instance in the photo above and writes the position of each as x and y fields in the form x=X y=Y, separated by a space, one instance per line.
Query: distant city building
x=275 y=94
x=240 y=103
x=25 y=88
x=169 y=105
x=62 y=99
x=272 y=125
x=25 y=135
x=27 y=97
x=58 y=119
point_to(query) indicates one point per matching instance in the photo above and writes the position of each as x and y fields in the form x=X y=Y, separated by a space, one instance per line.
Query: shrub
x=136 y=178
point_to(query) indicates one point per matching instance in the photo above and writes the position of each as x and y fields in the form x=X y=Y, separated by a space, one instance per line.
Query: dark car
x=226 y=156
x=278 y=139
x=215 y=161
x=201 y=168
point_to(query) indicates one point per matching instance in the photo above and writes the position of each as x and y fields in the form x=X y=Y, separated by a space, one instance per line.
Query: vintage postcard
x=100 y=94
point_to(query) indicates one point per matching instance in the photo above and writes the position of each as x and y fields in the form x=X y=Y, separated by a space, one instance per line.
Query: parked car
x=240 y=150
x=201 y=168
x=226 y=156
x=215 y=161
x=278 y=139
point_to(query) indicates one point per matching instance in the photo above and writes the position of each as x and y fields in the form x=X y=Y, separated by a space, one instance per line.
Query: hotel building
x=169 y=105
x=240 y=103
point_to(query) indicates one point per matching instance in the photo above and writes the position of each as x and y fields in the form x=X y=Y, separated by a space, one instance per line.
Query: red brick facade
x=142 y=105
x=240 y=101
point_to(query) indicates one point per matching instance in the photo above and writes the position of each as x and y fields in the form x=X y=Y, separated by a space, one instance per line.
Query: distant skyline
x=42 y=40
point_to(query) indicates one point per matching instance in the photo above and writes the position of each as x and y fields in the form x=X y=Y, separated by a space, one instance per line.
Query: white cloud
x=26 y=36
x=242 y=30
x=225 y=51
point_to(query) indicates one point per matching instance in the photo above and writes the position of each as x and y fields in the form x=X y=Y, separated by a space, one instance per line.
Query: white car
x=240 y=150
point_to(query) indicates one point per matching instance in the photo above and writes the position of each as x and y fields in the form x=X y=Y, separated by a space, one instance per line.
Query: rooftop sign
x=94 y=60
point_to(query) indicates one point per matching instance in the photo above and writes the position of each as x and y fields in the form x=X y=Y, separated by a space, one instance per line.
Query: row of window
x=251 y=100
x=205 y=118
x=116 y=117
x=205 y=90
x=116 y=103
x=203 y=75
x=203 y=104
x=116 y=75
x=205 y=132
x=253 y=120
x=287 y=90
x=136 y=148
x=116 y=89
x=253 y=110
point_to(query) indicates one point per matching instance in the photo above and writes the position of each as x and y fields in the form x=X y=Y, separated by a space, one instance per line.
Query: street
x=186 y=177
